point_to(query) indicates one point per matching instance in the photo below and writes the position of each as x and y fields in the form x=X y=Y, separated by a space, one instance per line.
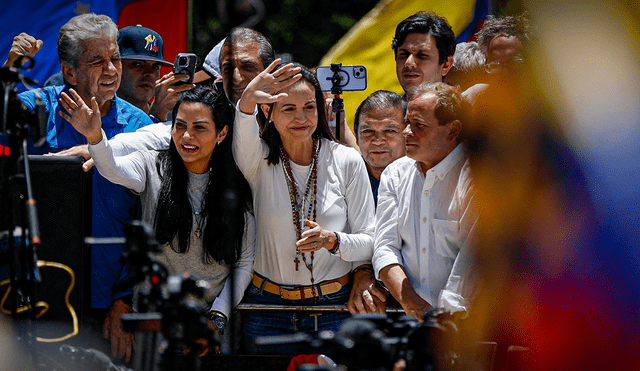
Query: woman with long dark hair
x=313 y=204
x=192 y=193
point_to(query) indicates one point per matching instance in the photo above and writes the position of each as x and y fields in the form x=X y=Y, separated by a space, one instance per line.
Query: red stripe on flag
x=168 y=18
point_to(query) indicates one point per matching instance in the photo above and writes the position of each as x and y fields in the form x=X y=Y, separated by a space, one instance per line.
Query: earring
x=218 y=142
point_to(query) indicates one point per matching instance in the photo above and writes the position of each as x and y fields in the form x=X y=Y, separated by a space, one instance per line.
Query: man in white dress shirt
x=425 y=217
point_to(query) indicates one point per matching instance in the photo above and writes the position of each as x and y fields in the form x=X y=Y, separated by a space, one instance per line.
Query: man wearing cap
x=141 y=52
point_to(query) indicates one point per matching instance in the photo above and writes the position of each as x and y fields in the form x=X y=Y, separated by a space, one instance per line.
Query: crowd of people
x=241 y=169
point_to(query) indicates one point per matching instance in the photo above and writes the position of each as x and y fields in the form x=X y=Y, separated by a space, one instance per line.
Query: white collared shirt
x=424 y=223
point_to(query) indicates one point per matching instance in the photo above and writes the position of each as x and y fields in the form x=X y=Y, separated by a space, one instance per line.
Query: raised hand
x=23 y=44
x=264 y=88
x=86 y=120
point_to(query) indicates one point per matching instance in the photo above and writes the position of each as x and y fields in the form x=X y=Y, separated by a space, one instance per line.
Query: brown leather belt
x=302 y=292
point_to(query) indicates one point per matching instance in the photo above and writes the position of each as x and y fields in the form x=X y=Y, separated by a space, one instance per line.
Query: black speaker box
x=62 y=191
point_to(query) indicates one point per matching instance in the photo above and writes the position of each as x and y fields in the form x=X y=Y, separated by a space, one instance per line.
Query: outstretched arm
x=128 y=171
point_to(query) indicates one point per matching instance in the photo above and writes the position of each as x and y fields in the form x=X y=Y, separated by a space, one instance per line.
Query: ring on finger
x=315 y=244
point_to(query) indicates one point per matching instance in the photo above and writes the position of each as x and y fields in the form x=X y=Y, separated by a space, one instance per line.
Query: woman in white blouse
x=192 y=193
x=312 y=201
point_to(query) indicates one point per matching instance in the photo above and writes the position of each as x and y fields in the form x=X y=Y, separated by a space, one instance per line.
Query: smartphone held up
x=185 y=63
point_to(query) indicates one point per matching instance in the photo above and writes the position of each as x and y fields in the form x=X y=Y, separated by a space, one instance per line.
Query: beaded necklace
x=297 y=204
x=199 y=215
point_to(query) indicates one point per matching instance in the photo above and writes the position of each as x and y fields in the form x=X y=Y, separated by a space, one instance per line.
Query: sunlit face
x=417 y=61
x=195 y=136
x=241 y=66
x=427 y=141
x=380 y=137
x=138 y=80
x=99 y=70
x=296 y=116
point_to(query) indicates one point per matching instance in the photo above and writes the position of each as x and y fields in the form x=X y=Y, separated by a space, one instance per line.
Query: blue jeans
x=266 y=323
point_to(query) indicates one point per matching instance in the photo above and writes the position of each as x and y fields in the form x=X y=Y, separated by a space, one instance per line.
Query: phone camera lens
x=182 y=61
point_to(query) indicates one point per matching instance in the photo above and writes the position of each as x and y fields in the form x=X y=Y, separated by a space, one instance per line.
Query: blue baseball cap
x=137 y=42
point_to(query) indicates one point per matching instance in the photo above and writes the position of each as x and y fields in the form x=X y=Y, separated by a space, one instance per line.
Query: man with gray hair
x=425 y=218
x=468 y=66
x=91 y=65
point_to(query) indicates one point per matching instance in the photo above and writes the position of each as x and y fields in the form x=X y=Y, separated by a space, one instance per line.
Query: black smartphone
x=185 y=63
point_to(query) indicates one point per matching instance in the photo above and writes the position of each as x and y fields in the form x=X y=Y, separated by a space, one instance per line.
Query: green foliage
x=306 y=29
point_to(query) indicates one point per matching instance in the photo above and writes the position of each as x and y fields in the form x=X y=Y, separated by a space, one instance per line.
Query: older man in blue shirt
x=91 y=65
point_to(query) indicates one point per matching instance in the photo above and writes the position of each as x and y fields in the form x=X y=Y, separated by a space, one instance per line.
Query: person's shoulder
x=342 y=152
x=131 y=113
x=401 y=165
x=48 y=94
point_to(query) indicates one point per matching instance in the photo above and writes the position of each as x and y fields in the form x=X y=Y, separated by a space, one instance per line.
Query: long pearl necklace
x=297 y=204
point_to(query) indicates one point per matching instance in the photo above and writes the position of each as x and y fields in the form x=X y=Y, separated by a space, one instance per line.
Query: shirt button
x=424 y=220
x=424 y=250
x=426 y=193
x=424 y=280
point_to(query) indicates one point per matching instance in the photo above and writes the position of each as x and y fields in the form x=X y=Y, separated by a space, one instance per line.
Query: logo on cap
x=152 y=43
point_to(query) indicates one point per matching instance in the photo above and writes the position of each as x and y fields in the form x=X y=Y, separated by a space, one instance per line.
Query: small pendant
x=297 y=262
x=198 y=233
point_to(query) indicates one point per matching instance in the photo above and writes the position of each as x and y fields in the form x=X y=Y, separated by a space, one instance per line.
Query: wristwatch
x=219 y=319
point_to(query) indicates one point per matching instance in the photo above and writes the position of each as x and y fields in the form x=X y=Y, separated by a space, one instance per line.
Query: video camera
x=375 y=342
x=170 y=308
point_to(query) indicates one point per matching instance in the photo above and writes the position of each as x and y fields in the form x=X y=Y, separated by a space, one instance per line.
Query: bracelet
x=336 y=244
x=93 y=144
x=364 y=267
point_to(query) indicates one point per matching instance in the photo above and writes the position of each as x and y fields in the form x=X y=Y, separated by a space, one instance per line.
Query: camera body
x=185 y=63
x=352 y=78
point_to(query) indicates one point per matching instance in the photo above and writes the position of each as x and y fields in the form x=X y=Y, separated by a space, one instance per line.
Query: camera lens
x=182 y=60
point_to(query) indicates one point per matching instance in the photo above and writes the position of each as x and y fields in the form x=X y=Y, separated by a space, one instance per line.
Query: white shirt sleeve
x=242 y=273
x=128 y=171
x=358 y=244
x=387 y=242
x=155 y=137
x=248 y=149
